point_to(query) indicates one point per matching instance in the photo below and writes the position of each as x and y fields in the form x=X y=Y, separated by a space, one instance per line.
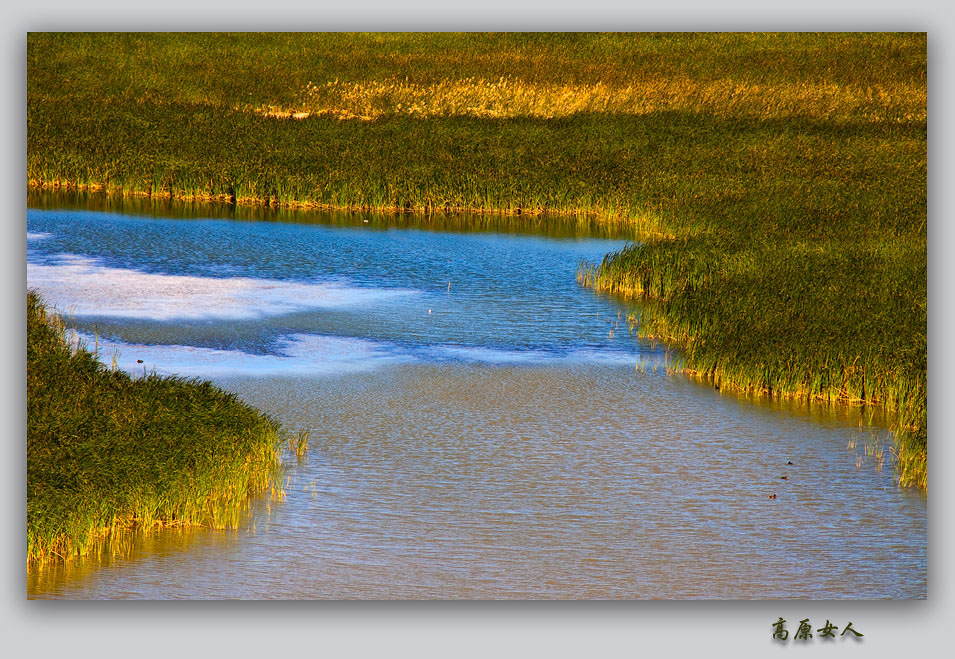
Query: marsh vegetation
x=776 y=182
x=109 y=454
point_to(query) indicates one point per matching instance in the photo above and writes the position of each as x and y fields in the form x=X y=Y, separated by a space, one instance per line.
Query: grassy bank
x=835 y=320
x=777 y=182
x=107 y=453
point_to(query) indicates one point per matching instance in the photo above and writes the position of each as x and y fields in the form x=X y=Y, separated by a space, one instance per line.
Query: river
x=481 y=426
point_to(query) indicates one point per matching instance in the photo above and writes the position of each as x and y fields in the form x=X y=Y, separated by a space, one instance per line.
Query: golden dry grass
x=511 y=97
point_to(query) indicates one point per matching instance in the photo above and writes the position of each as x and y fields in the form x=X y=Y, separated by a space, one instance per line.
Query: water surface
x=479 y=425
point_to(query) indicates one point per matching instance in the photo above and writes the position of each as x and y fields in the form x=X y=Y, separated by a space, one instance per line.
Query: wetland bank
x=775 y=184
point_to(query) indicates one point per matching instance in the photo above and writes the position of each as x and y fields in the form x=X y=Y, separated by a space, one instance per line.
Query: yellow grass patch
x=510 y=97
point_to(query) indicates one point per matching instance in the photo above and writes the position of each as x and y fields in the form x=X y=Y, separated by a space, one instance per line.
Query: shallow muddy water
x=479 y=428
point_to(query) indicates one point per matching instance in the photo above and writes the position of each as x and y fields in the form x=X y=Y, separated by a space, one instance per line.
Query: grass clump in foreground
x=777 y=182
x=107 y=453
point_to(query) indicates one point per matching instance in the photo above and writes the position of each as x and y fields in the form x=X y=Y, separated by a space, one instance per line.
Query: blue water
x=479 y=426
x=262 y=288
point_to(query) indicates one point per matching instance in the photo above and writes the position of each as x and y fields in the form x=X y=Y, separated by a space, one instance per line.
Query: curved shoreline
x=779 y=180
x=108 y=454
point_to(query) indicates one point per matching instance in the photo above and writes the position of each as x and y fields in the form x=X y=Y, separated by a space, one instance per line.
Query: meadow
x=109 y=454
x=776 y=183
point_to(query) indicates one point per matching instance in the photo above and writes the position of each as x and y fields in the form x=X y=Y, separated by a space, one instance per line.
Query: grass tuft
x=298 y=443
x=108 y=454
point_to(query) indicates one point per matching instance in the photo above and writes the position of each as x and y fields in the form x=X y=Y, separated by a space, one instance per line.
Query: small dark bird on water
x=790 y=462
x=772 y=496
x=139 y=361
x=784 y=477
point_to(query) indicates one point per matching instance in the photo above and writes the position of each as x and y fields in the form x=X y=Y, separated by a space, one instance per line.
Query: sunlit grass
x=108 y=454
x=510 y=97
x=298 y=443
x=841 y=320
x=777 y=182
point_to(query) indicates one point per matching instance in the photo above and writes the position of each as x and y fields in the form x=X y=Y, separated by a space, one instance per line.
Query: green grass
x=835 y=320
x=108 y=454
x=776 y=182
